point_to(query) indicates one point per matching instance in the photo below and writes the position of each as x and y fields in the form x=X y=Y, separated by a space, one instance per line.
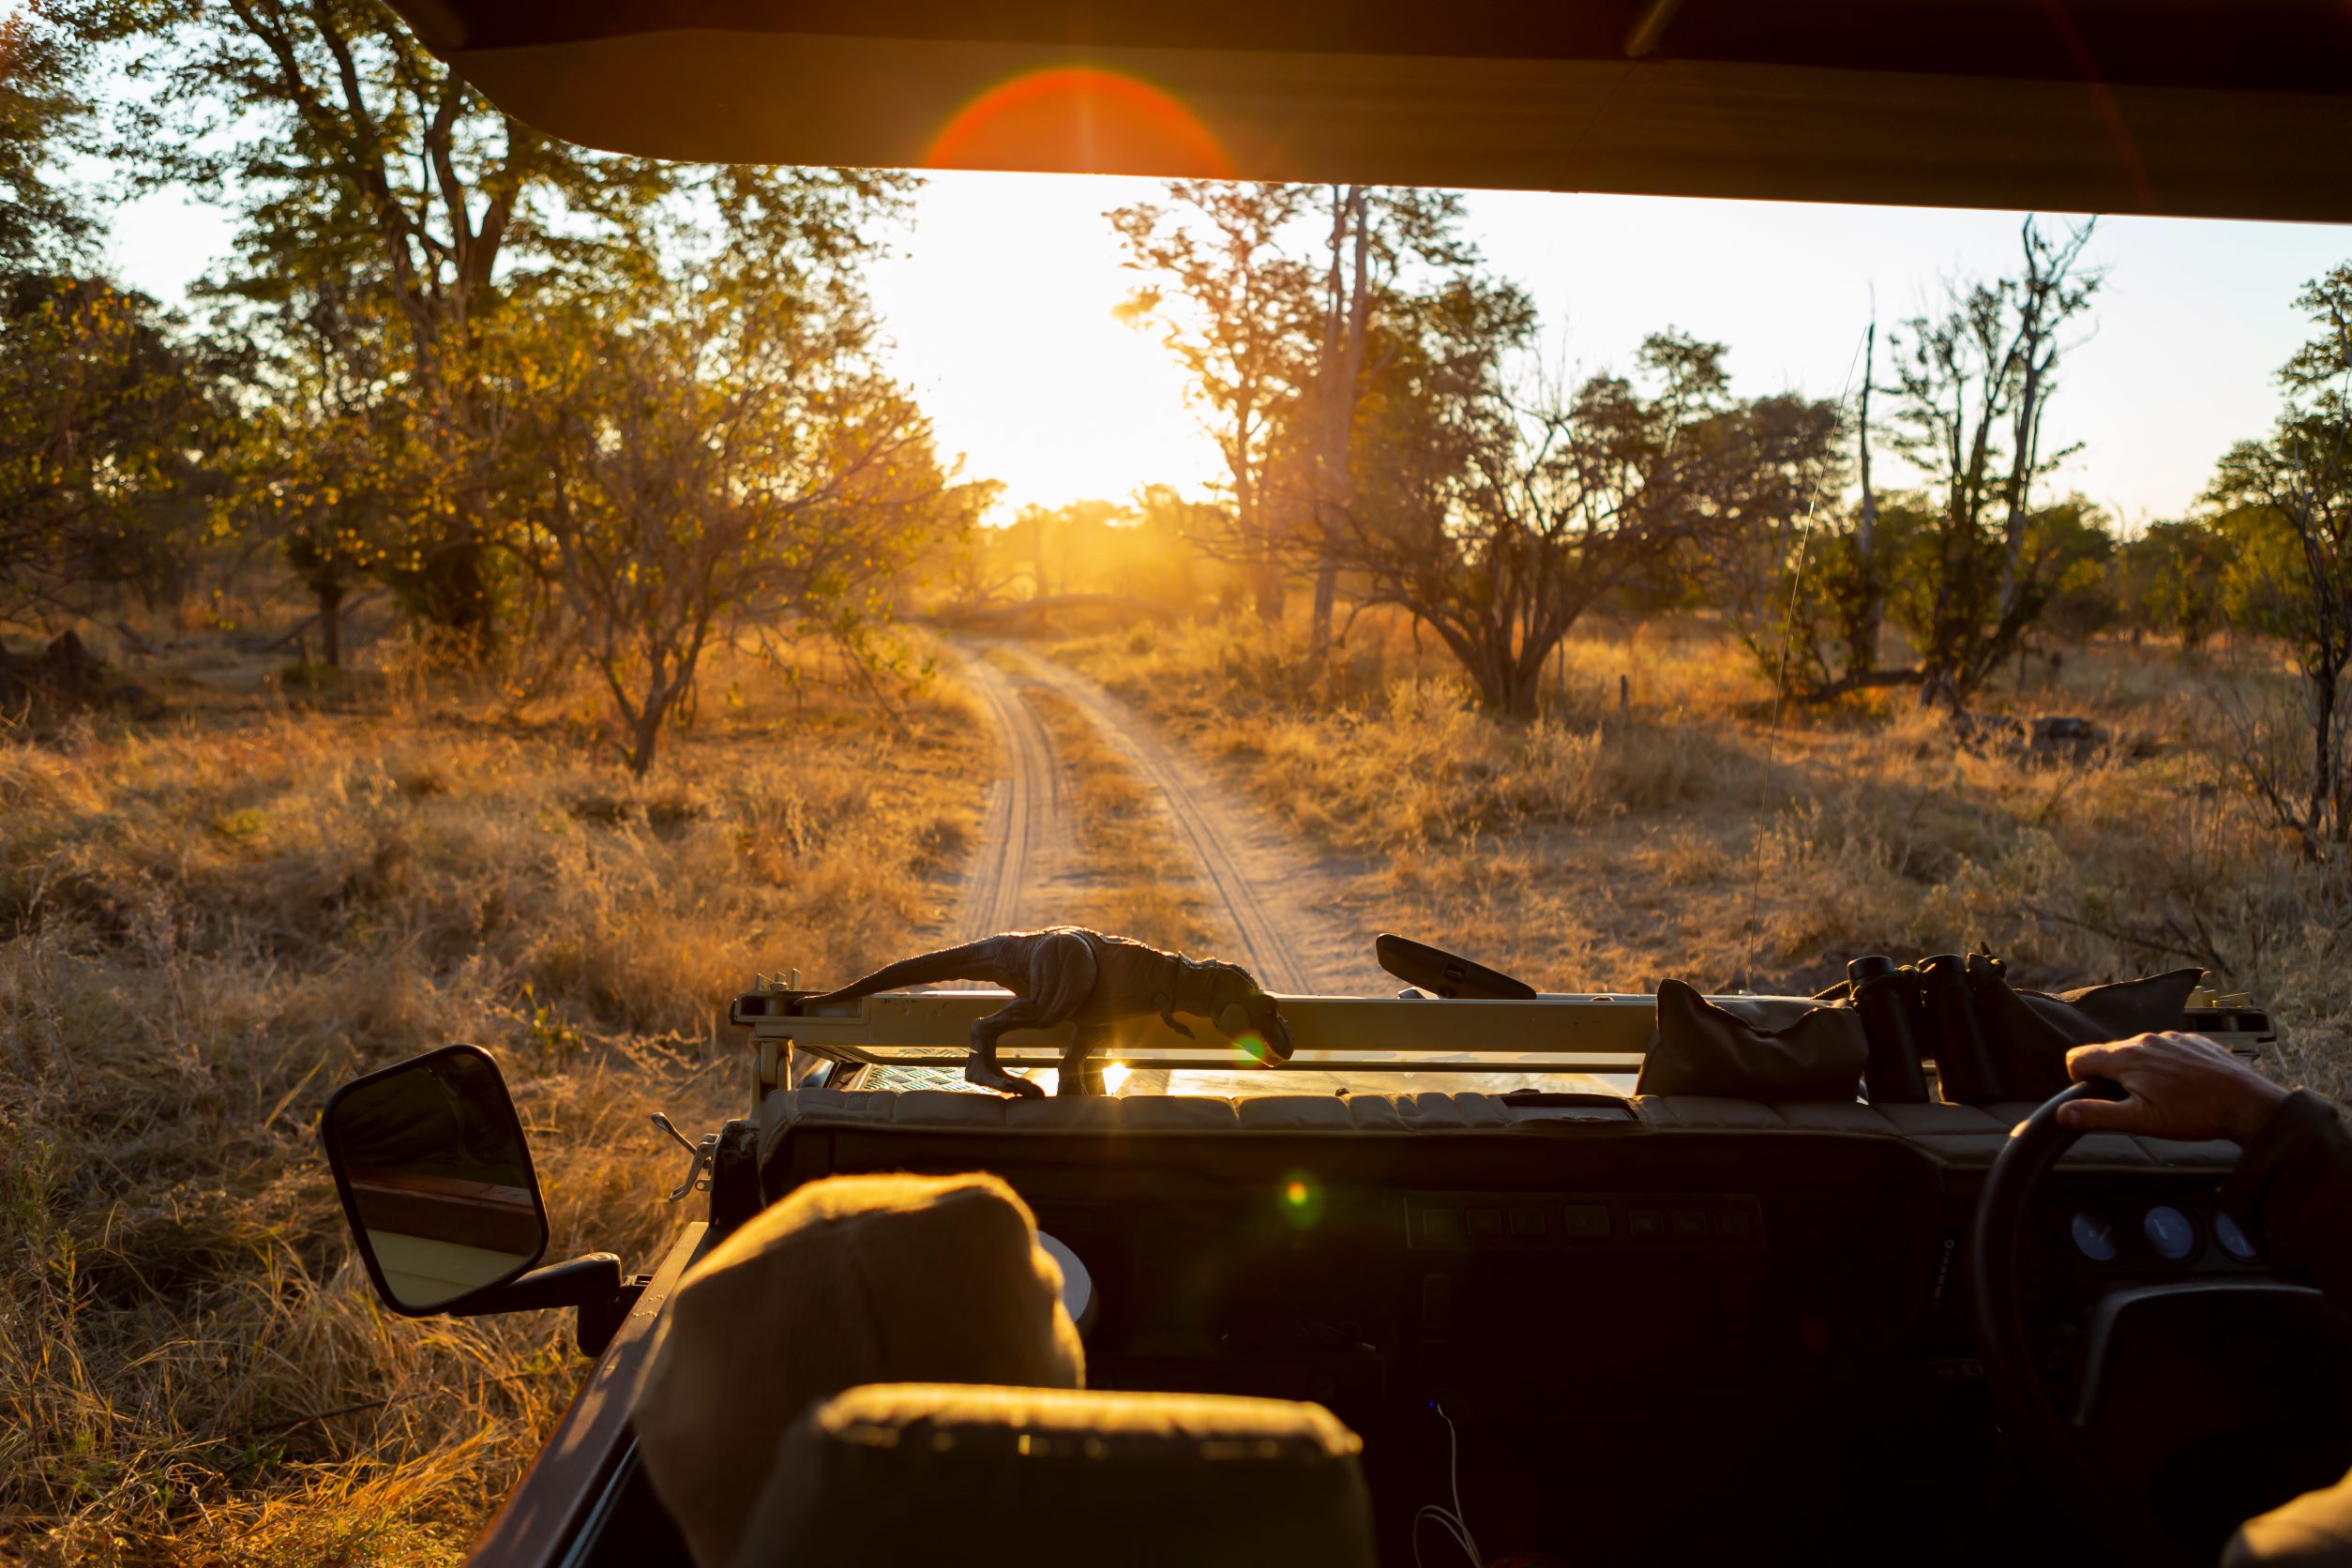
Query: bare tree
x=1972 y=389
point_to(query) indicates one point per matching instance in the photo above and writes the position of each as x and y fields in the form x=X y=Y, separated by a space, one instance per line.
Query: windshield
x=1119 y=1078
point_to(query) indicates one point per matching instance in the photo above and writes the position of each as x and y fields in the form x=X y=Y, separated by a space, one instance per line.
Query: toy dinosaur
x=1069 y=974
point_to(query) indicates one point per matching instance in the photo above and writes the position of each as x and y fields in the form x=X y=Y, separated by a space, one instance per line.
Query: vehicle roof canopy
x=2209 y=108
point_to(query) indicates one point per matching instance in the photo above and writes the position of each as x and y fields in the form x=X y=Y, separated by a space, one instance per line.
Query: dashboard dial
x=2171 y=1233
x=2234 y=1241
x=2094 y=1236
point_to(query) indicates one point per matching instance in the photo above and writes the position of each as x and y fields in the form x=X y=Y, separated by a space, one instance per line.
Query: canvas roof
x=2214 y=108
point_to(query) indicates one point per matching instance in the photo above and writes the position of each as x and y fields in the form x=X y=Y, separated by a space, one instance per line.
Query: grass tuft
x=207 y=925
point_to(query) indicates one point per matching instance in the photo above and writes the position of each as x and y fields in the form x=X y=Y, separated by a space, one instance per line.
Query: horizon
x=996 y=296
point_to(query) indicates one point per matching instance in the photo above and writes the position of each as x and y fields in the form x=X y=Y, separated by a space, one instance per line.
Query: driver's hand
x=2176 y=1085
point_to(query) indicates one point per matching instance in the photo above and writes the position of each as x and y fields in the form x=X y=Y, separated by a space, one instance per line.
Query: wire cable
x=1450 y=1520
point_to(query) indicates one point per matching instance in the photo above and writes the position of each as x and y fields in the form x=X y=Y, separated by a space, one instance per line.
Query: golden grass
x=1679 y=831
x=205 y=927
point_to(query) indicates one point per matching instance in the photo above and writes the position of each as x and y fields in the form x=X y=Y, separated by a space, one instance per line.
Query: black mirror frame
x=456 y=1306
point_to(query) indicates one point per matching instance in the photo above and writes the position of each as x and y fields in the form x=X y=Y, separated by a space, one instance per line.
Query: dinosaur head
x=1245 y=1014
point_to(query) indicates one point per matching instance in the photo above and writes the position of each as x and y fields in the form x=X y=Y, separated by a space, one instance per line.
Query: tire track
x=1027 y=823
x=1276 y=899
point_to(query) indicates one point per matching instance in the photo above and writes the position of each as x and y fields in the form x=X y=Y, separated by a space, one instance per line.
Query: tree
x=106 y=415
x=2172 y=579
x=2288 y=505
x=321 y=459
x=1497 y=517
x=724 y=453
x=41 y=225
x=1377 y=234
x=359 y=162
x=1233 y=310
x=1972 y=389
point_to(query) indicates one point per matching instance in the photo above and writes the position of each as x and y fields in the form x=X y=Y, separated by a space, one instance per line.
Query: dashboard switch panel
x=1615 y=1222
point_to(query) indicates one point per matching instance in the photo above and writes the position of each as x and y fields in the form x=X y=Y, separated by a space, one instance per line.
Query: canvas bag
x=1761 y=1048
x=2029 y=1032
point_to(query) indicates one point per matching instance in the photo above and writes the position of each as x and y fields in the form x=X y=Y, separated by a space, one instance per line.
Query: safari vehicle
x=1912 y=1326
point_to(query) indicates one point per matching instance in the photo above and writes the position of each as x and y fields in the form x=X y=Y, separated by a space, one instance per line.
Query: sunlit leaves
x=107 y=415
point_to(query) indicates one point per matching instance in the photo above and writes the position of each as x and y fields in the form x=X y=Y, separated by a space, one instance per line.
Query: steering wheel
x=2070 y=1470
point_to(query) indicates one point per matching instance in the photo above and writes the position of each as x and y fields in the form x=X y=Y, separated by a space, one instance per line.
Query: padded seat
x=912 y=1473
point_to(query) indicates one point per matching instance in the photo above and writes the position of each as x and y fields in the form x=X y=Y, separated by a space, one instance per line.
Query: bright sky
x=999 y=306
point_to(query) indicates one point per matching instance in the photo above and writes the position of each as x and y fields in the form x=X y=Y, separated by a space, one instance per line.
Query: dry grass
x=207 y=924
x=1684 y=832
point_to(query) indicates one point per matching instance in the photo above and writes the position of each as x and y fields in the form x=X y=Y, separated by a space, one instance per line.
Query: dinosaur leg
x=1080 y=1073
x=980 y=1066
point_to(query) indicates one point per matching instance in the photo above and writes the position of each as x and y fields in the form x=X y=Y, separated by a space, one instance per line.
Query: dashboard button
x=1733 y=1224
x=2094 y=1236
x=1690 y=1224
x=1586 y=1219
x=1645 y=1223
x=2234 y=1241
x=1484 y=1222
x=2172 y=1233
x=1527 y=1223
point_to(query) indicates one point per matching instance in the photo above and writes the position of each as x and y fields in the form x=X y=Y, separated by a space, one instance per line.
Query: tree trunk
x=1348 y=316
x=330 y=595
x=2323 y=734
x=1260 y=566
x=453 y=591
x=644 y=740
x=1326 y=597
x=1862 y=645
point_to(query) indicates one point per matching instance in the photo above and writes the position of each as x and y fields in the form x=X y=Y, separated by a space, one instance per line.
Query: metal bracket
x=698 y=1176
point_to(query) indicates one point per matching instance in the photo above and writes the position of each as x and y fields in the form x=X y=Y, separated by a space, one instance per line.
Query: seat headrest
x=898 y=1474
x=850 y=1280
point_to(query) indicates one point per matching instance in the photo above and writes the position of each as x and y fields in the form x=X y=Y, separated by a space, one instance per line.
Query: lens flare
x=1300 y=1200
x=1114 y=1073
x=1079 y=120
x=1253 y=1045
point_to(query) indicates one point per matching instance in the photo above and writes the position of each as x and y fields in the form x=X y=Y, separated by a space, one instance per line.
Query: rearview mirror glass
x=436 y=1180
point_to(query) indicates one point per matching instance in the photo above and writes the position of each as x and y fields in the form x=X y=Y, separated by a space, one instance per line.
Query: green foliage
x=107 y=413
x=1501 y=518
x=393 y=223
x=2285 y=505
x=2070 y=548
x=2180 y=580
x=41 y=224
x=715 y=451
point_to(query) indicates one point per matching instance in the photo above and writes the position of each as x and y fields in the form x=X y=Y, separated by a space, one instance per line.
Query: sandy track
x=1284 y=905
x=1027 y=827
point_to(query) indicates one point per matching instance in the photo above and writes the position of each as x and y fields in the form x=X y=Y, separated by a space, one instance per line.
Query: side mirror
x=436 y=1181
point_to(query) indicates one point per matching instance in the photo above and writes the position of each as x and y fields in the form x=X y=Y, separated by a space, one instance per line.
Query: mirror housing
x=434 y=1173
x=435 y=1177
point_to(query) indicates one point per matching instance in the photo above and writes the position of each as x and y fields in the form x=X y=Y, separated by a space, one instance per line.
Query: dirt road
x=1284 y=910
x=1028 y=828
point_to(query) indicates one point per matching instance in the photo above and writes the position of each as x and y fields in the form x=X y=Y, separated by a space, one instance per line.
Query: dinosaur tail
x=974 y=960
